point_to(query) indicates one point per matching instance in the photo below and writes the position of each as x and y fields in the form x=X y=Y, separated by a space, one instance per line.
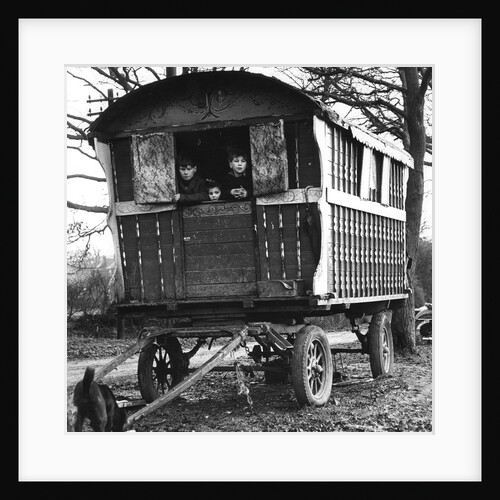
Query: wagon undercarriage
x=299 y=353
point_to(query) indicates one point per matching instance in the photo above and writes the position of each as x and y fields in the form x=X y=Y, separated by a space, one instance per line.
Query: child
x=238 y=182
x=191 y=186
x=214 y=190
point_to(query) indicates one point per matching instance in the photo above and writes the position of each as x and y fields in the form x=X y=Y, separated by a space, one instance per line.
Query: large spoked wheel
x=160 y=367
x=312 y=369
x=380 y=345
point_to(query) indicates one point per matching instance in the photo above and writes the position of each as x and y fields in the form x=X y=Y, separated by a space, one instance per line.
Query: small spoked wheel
x=426 y=329
x=380 y=345
x=312 y=370
x=160 y=367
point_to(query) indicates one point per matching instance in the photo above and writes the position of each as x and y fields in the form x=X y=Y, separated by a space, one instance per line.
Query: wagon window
x=269 y=158
x=371 y=175
x=153 y=168
x=384 y=183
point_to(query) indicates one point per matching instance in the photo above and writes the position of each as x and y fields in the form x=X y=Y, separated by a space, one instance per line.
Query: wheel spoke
x=319 y=358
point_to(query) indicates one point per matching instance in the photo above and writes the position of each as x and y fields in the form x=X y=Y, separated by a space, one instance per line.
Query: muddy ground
x=224 y=402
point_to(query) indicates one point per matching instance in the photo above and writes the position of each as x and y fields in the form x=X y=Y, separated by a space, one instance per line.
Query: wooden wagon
x=323 y=234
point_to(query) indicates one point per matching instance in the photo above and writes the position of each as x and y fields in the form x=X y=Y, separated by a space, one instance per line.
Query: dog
x=97 y=403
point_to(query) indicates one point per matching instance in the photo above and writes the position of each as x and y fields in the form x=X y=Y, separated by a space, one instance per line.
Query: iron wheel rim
x=316 y=368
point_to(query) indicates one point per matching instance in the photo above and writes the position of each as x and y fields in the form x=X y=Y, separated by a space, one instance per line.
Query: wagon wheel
x=426 y=329
x=380 y=345
x=160 y=367
x=312 y=369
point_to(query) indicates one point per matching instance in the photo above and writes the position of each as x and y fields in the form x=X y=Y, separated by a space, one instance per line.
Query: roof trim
x=322 y=111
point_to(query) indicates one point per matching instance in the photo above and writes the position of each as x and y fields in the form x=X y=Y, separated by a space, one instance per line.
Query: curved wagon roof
x=207 y=98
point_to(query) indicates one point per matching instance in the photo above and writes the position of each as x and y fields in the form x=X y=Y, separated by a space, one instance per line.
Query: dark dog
x=97 y=403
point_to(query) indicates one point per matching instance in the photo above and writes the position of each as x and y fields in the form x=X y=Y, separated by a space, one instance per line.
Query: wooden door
x=219 y=250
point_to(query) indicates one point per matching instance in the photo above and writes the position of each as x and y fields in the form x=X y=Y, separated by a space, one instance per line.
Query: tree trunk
x=403 y=320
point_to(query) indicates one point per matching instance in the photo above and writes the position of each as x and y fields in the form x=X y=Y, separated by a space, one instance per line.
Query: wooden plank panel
x=129 y=241
x=166 y=242
x=273 y=242
x=220 y=276
x=262 y=243
x=149 y=257
x=220 y=236
x=222 y=290
x=216 y=249
x=216 y=223
x=308 y=264
x=291 y=240
x=213 y=262
x=180 y=290
x=299 y=246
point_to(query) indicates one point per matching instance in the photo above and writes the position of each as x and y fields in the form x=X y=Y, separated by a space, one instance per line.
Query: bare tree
x=391 y=102
x=103 y=85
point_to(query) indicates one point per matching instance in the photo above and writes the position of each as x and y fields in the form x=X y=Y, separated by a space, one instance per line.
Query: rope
x=242 y=383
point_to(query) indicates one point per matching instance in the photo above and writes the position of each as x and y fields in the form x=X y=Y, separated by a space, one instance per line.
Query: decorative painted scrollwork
x=209 y=102
x=216 y=209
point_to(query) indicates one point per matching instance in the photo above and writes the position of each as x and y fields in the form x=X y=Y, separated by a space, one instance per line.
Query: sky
x=87 y=192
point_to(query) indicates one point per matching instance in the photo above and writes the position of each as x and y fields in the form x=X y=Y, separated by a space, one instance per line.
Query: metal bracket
x=277 y=339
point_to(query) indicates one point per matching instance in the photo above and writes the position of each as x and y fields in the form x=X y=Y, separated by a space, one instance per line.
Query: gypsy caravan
x=322 y=234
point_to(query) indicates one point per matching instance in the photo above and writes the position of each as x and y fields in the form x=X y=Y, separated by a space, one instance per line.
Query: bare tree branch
x=154 y=73
x=81 y=132
x=80 y=150
x=80 y=118
x=89 y=177
x=90 y=84
x=97 y=210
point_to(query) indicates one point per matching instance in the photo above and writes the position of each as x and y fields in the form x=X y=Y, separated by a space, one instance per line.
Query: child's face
x=238 y=165
x=214 y=193
x=187 y=172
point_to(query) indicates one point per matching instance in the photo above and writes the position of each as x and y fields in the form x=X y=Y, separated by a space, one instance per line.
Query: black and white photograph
x=297 y=299
x=250 y=260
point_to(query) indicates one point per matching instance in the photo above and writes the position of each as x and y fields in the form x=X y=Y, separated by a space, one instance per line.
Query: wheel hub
x=161 y=371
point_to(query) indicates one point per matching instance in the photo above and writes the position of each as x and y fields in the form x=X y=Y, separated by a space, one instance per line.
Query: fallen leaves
x=359 y=403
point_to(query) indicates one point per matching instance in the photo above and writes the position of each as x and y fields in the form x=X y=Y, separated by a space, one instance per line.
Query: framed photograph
x=449 y=449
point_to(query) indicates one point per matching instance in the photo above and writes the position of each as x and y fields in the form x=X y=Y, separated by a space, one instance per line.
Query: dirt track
x=399 y=403
x=128 y=369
